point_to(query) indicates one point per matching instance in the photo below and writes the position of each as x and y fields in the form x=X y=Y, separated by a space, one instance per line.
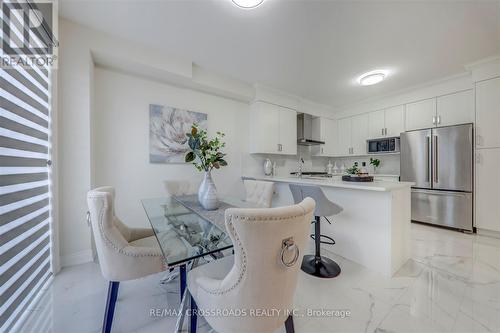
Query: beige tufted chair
x=255 y=278
x=181 y=187
x=259 y=192
x=124 y=253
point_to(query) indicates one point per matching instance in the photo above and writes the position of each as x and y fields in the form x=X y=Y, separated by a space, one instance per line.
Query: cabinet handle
x=479 y=140
x=439 y=120
x=433 y=120
x=386 y=131
x=280 y=147
x=322 y=150
x=382 y=131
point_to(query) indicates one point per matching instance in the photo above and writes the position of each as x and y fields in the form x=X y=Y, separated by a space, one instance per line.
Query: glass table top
x=185 y=230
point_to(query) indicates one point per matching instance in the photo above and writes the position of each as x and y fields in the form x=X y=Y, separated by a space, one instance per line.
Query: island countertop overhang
x=377 y=185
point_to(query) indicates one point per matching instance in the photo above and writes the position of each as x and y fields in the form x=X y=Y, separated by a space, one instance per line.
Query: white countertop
x=377 y=185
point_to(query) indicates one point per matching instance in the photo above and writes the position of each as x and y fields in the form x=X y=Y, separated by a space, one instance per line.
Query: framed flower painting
x=167 y=132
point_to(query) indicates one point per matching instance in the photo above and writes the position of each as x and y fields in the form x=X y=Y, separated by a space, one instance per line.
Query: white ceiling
x=311 y=48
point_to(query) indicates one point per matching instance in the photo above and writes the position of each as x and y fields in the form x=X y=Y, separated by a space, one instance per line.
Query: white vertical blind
x=25 y=265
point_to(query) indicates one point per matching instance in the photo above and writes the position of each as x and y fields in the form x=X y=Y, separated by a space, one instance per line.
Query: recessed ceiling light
x=247 y=4
x=372 y=77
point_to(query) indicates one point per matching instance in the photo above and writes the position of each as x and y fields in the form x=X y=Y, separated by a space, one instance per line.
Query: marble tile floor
x=451 y=284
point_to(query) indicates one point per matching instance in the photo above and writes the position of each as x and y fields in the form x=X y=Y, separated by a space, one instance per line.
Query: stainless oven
x=385 y=145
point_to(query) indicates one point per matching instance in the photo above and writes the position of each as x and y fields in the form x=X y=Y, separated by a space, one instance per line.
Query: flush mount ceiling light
x=247 y=4
x=372 y=77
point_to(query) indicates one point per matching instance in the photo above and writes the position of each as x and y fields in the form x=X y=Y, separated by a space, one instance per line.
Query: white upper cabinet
x=287 y=131
x=421 y=114
x=488 y=113
x=386 y=123
x=264 y=119
x=394 y=121
x=325 y=130
x=273 y=129
x=359 y=134
x=455 y=109
x=344 y=137
x=376 y=124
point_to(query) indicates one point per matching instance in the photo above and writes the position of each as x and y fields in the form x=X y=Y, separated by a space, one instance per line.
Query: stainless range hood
x=304 y=131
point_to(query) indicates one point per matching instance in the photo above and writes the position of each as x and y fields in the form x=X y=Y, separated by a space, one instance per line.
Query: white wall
x=121 y=151
x=77 y=168
x=73 y=144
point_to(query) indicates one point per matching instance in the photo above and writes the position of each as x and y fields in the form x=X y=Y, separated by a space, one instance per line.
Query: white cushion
x=123 y=253
x=150 y=241
x=217 y=269
x=254 y=278
x=259 y=192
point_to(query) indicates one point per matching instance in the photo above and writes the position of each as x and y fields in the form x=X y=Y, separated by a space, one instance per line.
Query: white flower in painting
x=169 y=131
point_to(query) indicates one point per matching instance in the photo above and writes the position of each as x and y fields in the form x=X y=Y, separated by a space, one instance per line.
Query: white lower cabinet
x=487 y=189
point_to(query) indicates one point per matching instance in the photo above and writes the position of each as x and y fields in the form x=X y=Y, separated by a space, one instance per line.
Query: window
x=25 y=216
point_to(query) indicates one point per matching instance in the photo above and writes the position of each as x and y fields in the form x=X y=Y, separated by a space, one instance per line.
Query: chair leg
x=182 y=279
x=110 y=306
x=194 y=316
x=289 y=325
x=317 y=265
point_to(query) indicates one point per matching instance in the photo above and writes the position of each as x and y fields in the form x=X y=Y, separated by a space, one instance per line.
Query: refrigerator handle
x=428 y=159
x=436 y=157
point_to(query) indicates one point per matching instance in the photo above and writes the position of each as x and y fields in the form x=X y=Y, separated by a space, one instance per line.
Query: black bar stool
x=316 y=264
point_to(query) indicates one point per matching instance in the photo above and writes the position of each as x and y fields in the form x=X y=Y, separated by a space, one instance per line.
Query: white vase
x=207 y=193
x=268 y=167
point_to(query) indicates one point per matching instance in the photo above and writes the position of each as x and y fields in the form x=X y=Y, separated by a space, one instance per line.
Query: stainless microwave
x=385 y=145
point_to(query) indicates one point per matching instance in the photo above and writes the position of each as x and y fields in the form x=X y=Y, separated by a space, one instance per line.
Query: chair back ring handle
x=289 y=245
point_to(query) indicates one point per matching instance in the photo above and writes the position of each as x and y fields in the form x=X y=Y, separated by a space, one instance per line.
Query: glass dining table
x=187 y=232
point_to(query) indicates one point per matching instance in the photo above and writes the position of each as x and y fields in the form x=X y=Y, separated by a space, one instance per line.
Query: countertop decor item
x=354 y=178
x=167 y=126
x=355 y=174
x=336 y=169
x=354 y=170
x=329 y=167
x=268 y=167
x=205 y=155
x=375 y=162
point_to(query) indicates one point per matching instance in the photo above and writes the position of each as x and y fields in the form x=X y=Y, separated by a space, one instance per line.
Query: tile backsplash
x=254 y=163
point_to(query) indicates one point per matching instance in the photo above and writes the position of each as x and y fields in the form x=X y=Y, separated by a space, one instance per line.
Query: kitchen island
x=374 y=227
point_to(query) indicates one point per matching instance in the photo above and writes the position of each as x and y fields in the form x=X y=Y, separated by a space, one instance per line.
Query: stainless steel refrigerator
x=439 y=162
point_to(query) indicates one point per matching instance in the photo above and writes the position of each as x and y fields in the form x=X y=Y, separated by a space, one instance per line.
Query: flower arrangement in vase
x=206 y=154
x=376 y=163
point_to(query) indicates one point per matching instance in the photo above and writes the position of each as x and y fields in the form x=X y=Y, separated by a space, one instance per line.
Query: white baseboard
x=77 y=258
x=489 y=233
